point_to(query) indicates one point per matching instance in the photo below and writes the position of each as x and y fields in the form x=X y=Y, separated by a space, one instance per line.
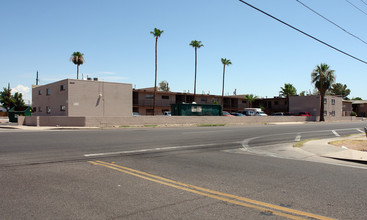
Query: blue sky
x=114 y=36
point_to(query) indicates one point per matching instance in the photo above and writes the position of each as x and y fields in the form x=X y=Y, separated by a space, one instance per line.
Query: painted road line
x=335 y=133
x=359 y=130
x=298 y=137
x=267 y=207
x=155 y=149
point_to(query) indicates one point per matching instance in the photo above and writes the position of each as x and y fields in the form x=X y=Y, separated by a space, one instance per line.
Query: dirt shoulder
x=358 y=142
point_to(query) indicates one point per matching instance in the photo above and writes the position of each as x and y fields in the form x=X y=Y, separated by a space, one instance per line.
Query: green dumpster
x=196 y=110
x=19 y=111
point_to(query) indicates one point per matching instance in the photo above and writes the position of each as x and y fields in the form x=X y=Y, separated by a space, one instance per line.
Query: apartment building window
x=165 y=97
x=276 y=103
x=48 y=109
x=325 y=100
x=333 y=101
x=244 y=102
x=332 y=113
x=149 y=96
x=39 y=92
x=48 y=92
x=34 y=109
x=40 y=109
x=204 y=99
x=62 y=88
x=325 y=113
x=62 y=108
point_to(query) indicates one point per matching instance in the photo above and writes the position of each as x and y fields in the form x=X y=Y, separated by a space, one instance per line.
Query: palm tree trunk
x=155 y=78
x=77 y=71
x=195 y=73
x=224 y=71
x=322 y=97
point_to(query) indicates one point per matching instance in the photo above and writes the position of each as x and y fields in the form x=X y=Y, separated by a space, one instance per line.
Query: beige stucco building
x=333 y=105
x=71 y=97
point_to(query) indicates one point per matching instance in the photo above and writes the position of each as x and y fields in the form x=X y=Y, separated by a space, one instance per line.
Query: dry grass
x=351 y=144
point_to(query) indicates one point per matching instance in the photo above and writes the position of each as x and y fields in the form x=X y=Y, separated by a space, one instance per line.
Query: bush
x=353 y=114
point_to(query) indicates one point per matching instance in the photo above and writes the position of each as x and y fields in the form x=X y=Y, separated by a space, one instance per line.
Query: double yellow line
x=245 y=202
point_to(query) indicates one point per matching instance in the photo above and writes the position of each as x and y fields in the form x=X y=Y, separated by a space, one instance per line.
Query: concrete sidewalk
x=322 y=148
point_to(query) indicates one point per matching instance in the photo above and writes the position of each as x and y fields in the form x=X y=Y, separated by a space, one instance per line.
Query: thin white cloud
x=26 y=91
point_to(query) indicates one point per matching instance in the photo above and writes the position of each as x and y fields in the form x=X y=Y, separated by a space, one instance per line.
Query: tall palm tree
x=323 y=77
x=286 y=91
x=196 y=44
x=78 y=59
x=250 y=98
x=156 y=33
x=225 y=63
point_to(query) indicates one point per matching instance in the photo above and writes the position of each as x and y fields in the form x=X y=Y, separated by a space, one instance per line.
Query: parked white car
x=260 y=114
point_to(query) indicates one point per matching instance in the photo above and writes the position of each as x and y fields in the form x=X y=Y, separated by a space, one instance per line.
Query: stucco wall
x=164 y=120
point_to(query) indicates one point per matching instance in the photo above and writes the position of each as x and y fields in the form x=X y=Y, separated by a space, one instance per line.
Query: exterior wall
x=347 y=108
x=164 y=120
x=333 y=105
x=54 y=100
x=82 y=98
x=96 y=98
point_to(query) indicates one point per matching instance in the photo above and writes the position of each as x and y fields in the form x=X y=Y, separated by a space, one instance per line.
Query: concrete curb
x=322 y=148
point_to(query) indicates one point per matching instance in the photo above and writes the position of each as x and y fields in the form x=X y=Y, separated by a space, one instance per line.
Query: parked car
x=237 y=114
x=260 y=114
x=136 y=114
x=167 y=113
x=289 y=114
x=225 y=113
x=278 y=114
x=304 y=114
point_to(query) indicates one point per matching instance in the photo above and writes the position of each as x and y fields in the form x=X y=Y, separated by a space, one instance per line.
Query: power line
x=364 y=2
x=356 y=7
x=308 y=35
x=330 y=21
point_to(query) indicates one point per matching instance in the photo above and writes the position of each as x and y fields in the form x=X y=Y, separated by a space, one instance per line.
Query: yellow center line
x=194 y=189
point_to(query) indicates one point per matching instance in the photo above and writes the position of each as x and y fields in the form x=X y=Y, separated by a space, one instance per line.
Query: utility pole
x=37 y=79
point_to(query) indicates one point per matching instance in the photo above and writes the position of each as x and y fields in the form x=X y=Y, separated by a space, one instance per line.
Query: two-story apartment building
x=71 y=97
x=333 y=105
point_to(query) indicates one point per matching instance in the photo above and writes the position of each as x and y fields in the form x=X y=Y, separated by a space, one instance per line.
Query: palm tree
x=225 y=63
x=323 y=77
x=78 y=59
x=195 y=44
x=156 y=33
x=286 y=91
x=250 y=98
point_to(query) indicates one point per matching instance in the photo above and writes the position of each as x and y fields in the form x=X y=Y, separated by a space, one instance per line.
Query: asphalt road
x=175 y=173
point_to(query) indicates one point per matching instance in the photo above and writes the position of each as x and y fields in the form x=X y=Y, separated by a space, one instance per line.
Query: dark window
x=39 y=92
x=62 y=88
x=244 y=102
x=62 y=108
x=40 y=109
x=48 y=109
x=34 y=109
x=165 y=97
x=276 y=103
x=149 y=96
x=333 y=101
x=48 y=91
x=204 y=99
x=325 y=100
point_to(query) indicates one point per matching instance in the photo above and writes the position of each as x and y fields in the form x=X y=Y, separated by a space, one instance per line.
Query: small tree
x=303 y=93
x=6 y=100
x=288 y=90
x=250 y=98
x=18 y=100
x=340 y=89
x=163 y=86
